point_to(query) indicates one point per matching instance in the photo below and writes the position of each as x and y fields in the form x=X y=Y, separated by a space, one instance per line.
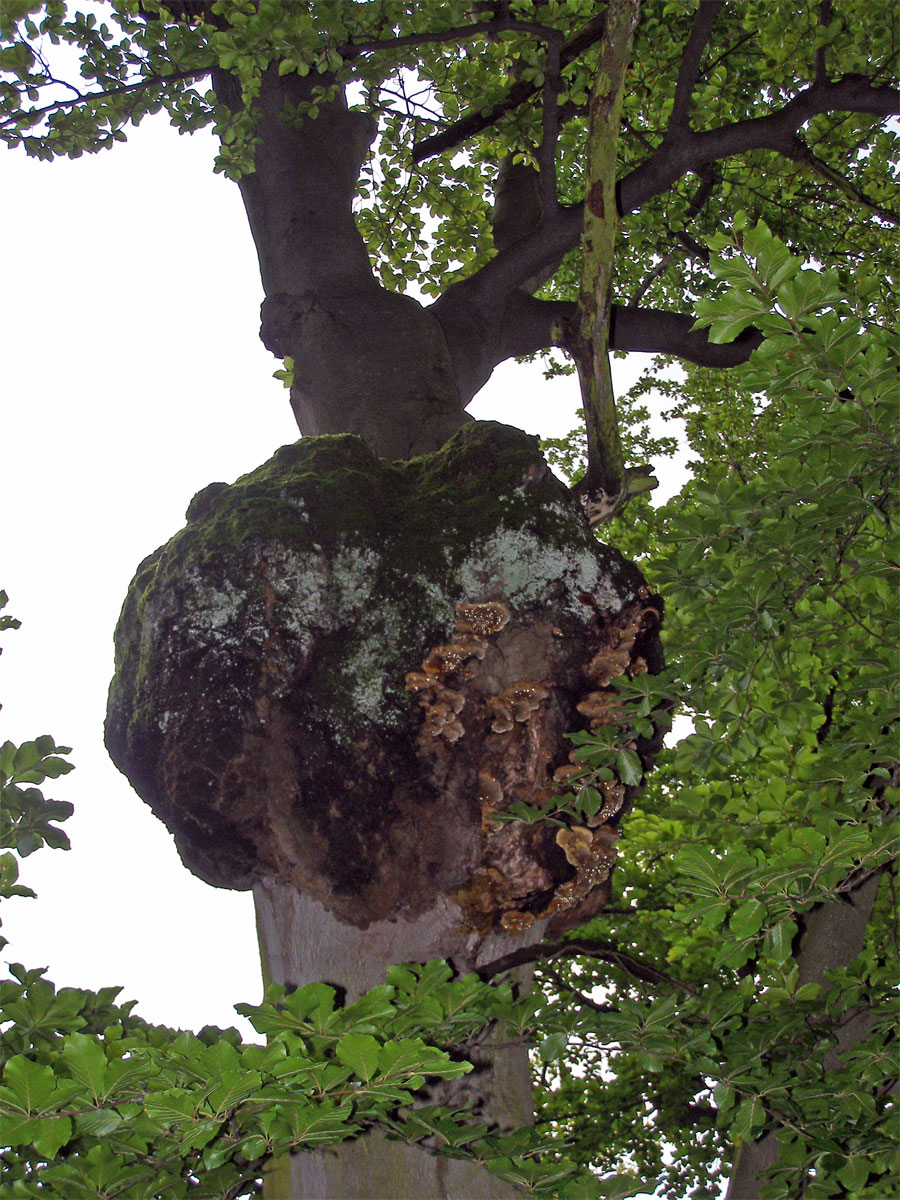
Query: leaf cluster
x=71 y=83
x=778 y=569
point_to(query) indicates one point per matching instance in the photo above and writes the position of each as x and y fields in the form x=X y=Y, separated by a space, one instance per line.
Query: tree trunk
x=300 y=942
x=331 y=680
x=366 y=360
x=833 y=937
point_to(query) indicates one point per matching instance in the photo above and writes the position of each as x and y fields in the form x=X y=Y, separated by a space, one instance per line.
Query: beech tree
x=394 y=683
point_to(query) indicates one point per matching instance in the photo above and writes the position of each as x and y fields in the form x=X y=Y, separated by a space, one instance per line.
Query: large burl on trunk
x=331 y=681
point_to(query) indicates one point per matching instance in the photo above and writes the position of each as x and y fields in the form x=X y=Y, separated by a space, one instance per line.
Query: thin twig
x=601 y=950
x=582 y=999
x=127 y=89
x=802 y=154
x=709 y=179
x=477 y=119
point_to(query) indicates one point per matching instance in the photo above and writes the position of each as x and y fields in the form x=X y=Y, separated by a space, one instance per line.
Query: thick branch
x=498 y=24
x=604 y=484
x=489 y=288
x=546 y=153
x=689 y=151
x=690 y=63
x=532 y=325
x=833 y=937
x=477 y=120
x=652 y=331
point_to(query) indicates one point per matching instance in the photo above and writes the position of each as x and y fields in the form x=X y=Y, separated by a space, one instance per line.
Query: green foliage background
x=778 y=566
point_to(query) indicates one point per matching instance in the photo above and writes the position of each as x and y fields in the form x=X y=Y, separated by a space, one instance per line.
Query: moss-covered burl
x=342 y=668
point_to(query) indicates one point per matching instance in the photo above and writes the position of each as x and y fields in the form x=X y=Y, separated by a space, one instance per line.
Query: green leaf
x=86 y=1061
x=359 y=1052
x=747 y=919
x=749 y=1115
x=217 y=1153
x=854 y=1174
x=253 y=1147
x=553 y=1046
x=725 y=1097
x=629 y=768
x=29 y=1086
x=98 y=1122
x=51 y=1135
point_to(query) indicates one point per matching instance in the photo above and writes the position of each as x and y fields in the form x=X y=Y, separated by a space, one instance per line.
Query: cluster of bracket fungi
x=508 y=888
x=475 y=623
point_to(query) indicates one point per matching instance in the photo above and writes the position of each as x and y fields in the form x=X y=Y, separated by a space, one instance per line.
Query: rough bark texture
x=342 y=667
x=330 y=682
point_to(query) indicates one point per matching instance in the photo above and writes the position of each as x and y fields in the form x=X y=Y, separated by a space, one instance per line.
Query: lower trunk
x=300 y=942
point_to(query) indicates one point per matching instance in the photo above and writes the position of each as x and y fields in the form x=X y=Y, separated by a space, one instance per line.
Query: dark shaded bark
x=529 y=325
x=367 y=361
x=401 y=374
x=681 y=152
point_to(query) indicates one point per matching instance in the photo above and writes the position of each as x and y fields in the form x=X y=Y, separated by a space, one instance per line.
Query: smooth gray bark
x=301 y=942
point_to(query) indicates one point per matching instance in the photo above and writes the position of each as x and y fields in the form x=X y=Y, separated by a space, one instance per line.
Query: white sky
x=132 y=375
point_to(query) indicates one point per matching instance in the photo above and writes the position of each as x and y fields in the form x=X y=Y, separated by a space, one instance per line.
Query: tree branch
x=833 y=936
x=498 y=24
x=775 y=131
x=530 y=325
x=653 y=331
x=689 y=70
x=476 y=120
x=804 y=155
x=606 y=485
x=490 y=287
x=602 y=951
x=708 y=180
x=824 y=21
x=583 y=1000
x=127 y=89
x=546 y=152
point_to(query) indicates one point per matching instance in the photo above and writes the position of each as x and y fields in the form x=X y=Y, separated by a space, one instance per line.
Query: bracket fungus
x=342 y=670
